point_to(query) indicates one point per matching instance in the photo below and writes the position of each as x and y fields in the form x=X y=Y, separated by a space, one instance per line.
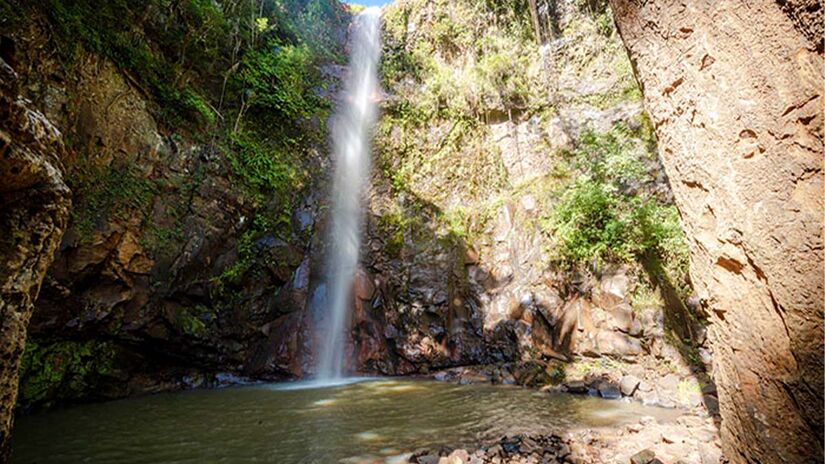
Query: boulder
x=645 y=456
x=609 y=391
x=629 y=384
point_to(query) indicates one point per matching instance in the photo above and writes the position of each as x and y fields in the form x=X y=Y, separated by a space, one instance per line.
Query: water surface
x=374 y=419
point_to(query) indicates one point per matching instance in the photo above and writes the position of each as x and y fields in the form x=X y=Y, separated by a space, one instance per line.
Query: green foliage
x=279 y=81
x=466 y=67
x=63 y=370
x=455 y=218
x=193 y=321
x=267 y=169
x=158 y=56
x=589 y=224
x=183 y=52
x=355 y=8
x=602 y=216
x=250 y=256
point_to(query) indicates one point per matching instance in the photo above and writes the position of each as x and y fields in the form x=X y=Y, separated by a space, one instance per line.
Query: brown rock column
x=34 y=208
x=735 y=93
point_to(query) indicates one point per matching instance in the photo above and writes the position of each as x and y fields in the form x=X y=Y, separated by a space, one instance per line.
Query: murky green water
x=375 y=419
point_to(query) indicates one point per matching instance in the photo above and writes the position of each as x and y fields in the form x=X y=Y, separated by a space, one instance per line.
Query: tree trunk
x=534 y=13
x=735 y=93
x=34 y=209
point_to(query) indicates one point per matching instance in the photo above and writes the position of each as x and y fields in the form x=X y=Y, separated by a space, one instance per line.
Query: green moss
x=193 y=321
x=266 y=168
x=455 y=219
x=106 y=191
x=64 y=370
x=394 y=225
x=250 y=260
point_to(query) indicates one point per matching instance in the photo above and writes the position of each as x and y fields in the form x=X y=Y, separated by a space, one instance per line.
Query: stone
x=459 y=456
x=609 y=391
x=427 y=459
x=364 y=287
x=34 y=213
x=727 y=149
x=614 y=287
x=645 y=456
x=709 y=453
x=629 y=384
x=576 y=386
x=634 y=428
x=671 y=436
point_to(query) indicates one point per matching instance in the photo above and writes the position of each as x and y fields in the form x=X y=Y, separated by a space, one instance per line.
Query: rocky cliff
x=188 y=153
x=735 y=94
x=521 y=215
x=191 y=259
x=34 y=209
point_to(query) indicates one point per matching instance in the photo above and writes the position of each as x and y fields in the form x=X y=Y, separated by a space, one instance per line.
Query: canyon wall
x=34 y=209
x=734 y=90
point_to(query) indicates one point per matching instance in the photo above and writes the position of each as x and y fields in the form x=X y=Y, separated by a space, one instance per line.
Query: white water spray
x=351 y=133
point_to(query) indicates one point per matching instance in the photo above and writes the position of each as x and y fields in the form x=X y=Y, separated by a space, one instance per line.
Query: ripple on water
x=304 y=422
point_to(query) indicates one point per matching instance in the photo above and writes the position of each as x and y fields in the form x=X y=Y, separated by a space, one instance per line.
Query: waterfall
x=351 y=132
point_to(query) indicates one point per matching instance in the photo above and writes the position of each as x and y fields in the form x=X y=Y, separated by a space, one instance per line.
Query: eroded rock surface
x=735 y=93
x=34 y=209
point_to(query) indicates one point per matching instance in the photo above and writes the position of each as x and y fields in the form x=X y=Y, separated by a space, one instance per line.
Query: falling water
x=351 y=128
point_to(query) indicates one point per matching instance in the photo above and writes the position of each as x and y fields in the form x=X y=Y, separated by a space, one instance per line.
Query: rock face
x=735 y=93
x=149 y=290
x=34 y=209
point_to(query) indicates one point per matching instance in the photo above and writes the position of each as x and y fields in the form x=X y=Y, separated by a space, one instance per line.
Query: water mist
x=351 y=133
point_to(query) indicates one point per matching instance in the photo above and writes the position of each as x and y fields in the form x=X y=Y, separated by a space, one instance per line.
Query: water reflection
x=376 y=419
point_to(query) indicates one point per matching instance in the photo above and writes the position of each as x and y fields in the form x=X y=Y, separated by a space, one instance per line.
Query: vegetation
x=461 y=72
x=60 y=370
x=605 y=214
x=104 y=191
x=240 y=76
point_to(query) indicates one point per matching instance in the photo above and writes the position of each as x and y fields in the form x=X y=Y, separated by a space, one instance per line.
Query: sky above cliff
x=372 y=2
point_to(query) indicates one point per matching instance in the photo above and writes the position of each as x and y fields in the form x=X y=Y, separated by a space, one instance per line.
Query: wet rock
x=609 y=391
x=364 y=287
x=425 y=459
x=576 y=387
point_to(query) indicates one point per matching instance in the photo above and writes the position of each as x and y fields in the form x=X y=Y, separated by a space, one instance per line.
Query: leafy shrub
x=605 y=215
x=265 y=169
x=279 y=79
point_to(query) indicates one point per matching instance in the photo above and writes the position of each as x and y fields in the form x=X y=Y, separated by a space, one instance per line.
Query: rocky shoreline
x=691 y=439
